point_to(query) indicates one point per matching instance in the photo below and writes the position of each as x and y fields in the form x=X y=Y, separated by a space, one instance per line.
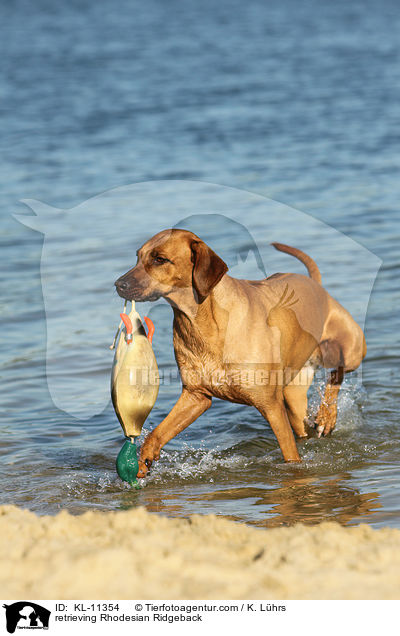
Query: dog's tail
x=311 y=265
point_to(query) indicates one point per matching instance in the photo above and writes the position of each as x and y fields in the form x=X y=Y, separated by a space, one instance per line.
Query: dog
x=251 y=342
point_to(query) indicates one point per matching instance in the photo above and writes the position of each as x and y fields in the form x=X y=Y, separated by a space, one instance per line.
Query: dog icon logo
x=26 y=615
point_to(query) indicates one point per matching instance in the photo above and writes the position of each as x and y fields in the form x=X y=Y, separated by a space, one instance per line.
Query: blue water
x=267 y=121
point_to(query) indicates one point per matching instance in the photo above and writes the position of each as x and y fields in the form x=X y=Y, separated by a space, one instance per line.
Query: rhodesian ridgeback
x=250 y=342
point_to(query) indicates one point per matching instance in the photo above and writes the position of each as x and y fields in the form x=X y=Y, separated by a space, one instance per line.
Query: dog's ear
x=208 y=268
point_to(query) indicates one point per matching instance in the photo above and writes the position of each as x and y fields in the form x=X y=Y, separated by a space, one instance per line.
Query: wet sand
x=138 y=555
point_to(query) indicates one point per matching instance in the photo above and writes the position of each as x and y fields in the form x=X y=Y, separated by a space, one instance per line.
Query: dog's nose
x=122 y=285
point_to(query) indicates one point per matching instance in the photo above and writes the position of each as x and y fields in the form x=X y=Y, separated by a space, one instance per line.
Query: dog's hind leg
x=331 y=357
x=341 y=352
x=295 y=395
x=327 y=413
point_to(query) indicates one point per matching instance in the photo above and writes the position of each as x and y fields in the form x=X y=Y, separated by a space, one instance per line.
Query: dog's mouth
x=136 y=294
x=141 y=297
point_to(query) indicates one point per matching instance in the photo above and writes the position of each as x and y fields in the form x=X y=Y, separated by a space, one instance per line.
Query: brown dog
x=250 y=342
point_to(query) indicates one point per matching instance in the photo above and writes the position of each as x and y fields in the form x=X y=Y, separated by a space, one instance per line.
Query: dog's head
x=171 y=261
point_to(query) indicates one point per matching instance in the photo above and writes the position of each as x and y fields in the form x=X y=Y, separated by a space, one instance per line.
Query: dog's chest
x=206 y=362
x=207 y=371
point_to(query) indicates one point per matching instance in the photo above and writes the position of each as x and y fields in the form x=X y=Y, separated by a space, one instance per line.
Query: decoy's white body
x=135 y=378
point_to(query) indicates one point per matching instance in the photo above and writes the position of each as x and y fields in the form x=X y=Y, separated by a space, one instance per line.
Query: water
x=295 y=103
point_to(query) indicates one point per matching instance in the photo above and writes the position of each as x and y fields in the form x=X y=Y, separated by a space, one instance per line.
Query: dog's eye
x=159 y=260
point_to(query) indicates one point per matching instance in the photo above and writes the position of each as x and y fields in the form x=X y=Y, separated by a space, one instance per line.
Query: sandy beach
x=136 y=554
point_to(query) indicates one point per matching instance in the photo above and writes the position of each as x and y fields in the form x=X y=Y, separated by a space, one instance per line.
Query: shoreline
x=135 y=554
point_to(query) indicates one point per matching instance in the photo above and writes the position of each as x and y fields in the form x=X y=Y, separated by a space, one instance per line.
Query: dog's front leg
x=274 y=412
x=187 y=409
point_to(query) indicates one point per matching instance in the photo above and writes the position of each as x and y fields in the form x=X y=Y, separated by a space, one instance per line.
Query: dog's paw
x=143 y=469
x=326 y=419
x=149 y=452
